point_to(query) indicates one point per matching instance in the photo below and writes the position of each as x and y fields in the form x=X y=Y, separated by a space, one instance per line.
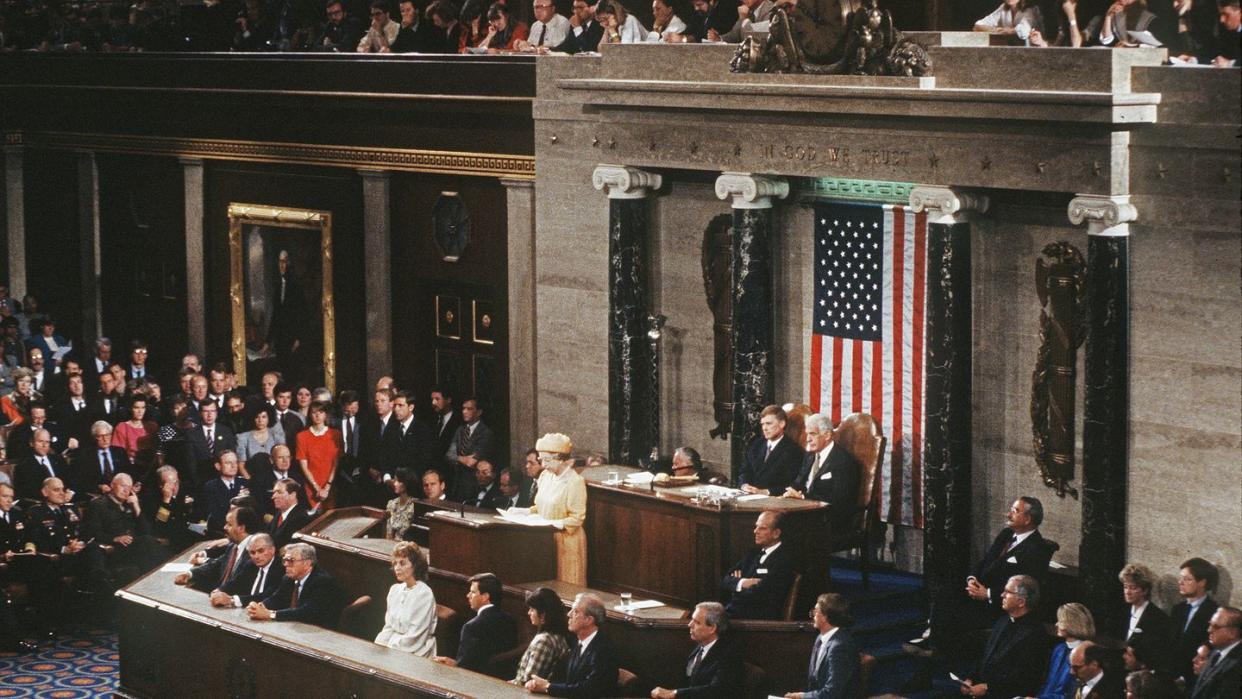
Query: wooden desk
x=472 y=543
x=687 y=547
x=174 y=643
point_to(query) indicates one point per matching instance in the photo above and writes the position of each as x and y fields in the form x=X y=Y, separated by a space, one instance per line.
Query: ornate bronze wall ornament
x=1062 y=323
x=869 y=45
x=717 y=262
x=450 y=221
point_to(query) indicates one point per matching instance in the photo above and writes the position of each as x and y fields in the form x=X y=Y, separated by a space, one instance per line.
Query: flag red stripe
x=877 y=383
x=895 y=341
x=837 y=353
x=817 y=366
x=916 y=370
x=857 y=386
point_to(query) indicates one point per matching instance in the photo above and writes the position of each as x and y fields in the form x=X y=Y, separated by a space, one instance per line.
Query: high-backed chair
x=860 y=435
x=754 y=681
x=448 y=631
x=351 y=615
x=866 y=665
x=791 y=600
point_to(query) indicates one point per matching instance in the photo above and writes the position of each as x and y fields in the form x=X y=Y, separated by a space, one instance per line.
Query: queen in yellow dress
x=561 y=498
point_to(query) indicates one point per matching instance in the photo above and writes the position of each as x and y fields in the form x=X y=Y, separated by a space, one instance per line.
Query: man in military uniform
x=168 y=511
x=12 y=541
x=53 y=528
x=120 y=536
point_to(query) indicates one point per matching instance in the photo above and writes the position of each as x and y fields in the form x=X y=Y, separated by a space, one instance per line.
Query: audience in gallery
x=137 y=464
x=1204 y=32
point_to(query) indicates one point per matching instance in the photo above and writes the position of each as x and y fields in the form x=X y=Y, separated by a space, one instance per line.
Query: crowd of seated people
x=1204 y=32
x=113 y=476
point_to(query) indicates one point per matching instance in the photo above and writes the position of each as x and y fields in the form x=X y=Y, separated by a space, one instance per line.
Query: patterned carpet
x=82 y=663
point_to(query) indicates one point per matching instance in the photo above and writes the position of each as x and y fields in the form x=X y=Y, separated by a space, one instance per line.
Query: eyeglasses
x=290 y=559
x=378 y=13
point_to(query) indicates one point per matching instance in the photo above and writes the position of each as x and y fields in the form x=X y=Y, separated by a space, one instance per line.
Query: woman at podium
x=561 y=498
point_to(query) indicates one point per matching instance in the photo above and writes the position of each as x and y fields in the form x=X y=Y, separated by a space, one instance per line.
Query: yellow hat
x=554 y=443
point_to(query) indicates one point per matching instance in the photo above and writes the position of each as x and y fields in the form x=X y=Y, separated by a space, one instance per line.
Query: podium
x=475 y=542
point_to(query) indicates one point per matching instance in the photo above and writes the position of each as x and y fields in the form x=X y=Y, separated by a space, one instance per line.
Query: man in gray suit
x=834 y=670
x=472 y=444
x=1222 y=673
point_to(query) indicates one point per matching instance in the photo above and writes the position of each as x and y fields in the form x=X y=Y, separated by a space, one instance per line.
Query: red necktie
x=228 y=569
x=293 y=601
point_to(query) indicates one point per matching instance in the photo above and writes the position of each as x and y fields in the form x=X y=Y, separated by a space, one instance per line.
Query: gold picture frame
x=252 y=227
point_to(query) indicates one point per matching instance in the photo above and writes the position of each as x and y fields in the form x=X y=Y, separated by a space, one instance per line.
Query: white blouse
x=410 y=622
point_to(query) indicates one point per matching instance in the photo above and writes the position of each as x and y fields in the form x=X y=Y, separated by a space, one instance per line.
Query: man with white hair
x=120 y=535
x=307 y=593
x=829 y=473
x=592 y=669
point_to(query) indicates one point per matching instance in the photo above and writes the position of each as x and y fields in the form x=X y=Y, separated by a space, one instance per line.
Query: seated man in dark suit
x=290 y=514
x=307 y=593
x=585 y=32
x=1099 y=675
x=1018 y=549
x=714 y=670
x=772 y=460
x=19 y=439
x=487 y=490
x=1017 y=650
x=592 y=668
x=96 y=465
x=218 y=492
x=489 y=633
x=830 y=473
x=215 y=572
x=1195 y=582
x=168 y=510
x=757 y=586
x=205 y=442
x=42 y=464
x=515 y=490
x=834 y=671
x=1221 y=677
x=115 y=521
x=255 y=581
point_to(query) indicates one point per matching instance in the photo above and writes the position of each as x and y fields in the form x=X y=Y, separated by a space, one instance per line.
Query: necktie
x=1211 y=663
x=282 y=290
x=819 y=463
x=280 y=520
x=293 y=601
x=1190 y=614
x=1078 y=692
x=693 y=665
x=767 y=451
x=258 y=582
x=1009 y=545
x=211 y=442
x=542 y=29
x=5 y=515
x=349 y=436
x=105 y=463
x=228 y=568
x=77 y=404
x=43 y=460
x=107 y=406
x=810 y=671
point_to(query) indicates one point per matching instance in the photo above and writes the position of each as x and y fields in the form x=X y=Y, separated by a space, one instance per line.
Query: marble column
x=753 y=305
x=15 y=226
x=1106 y=401
x=88 y=240
x=630 y=397
x=947 y=433
x=195 y=262
x=377 y=253
x=523 y=387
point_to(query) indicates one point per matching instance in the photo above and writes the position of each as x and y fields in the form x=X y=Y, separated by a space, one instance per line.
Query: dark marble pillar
x=88 y=238
x=377 y=240
x=195 y=254
x=947 y=436
x=630 y=389
x=1106 y=402
x=752 y=331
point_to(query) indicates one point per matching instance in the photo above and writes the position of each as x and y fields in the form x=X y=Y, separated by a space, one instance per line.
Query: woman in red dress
x=318 y=451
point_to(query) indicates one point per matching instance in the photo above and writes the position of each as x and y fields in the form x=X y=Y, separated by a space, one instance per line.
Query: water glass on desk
x=627 y=598
x=614 y=477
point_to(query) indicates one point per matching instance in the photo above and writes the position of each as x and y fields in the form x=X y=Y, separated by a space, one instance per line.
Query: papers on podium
x=523 y=516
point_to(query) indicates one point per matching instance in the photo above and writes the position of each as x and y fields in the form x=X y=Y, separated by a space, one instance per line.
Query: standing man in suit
x=214 y=572
x=829 y=473
x=772 y=460
x=757 y=586
x=1195 y=581
x=1098 y=677
x=1221 y=677
x=307 y=593
x=107 y=402
x=19 y=438
x=351 y=437
x=138 y=368
x=32 y=470
x=447 y=420
x=96 y=466
x=472 y=443
x=219 y=492
x=290 y=421
x=714 y=669
x=1014 y=657
x=73 y=413
x=379 y=449
x=256 y=581
x=206 y=442
x=290 y=514
x=263 y=480
x=413 y=438
x=834 y=671
x=592 y=670
x=490 y=632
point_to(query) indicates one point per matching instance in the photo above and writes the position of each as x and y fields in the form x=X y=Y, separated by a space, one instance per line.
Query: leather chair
x=859 y=434
x=351 y=615
x=791 y=600
x=448 y=631
x=866 y=665
x=754 y=681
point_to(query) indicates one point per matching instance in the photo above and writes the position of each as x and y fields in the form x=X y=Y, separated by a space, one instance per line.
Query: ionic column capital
x=1104 y=215
x=751 y=191
x=621 y=182
x=947 y=204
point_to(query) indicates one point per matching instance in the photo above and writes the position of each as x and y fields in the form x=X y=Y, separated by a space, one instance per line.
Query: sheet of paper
x=176 y=568
x=752 y=496
x=640 y=604
x=524 y=518
x=640 y=478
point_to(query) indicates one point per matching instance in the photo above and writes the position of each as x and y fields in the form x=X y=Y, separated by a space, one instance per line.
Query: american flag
x=867 y=349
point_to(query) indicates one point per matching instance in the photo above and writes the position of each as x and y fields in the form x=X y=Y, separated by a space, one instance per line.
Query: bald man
x=119 y=535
